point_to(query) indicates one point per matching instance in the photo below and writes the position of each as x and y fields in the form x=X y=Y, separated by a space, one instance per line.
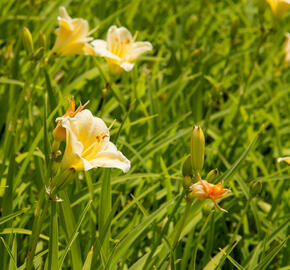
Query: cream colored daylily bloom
x=287 y=50
x=88 y=144
x=279 y=7
x=286 y=159
x=72 y=36
x=120 y=50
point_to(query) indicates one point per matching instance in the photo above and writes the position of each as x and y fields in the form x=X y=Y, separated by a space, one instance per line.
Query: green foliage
x=217 y=64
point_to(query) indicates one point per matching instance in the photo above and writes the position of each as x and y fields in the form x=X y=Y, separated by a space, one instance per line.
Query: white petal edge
x=138 y=48
x=100 y=47
x=110 y=157
x=282 y=159
x=127 y=66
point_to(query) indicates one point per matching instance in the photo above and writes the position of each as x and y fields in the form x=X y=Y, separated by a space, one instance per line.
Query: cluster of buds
x=192 y=168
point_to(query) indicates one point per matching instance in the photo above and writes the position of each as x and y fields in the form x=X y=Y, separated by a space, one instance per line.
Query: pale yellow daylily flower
x=279 y=7
x=120 y=50
x=287 y=50
x=88 y=144
x=286 y=159
x=205 y=190
x=72 y=36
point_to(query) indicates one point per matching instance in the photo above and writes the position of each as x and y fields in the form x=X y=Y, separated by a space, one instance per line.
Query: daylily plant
x=279 y=7
x=120 y=50
x=72 y=36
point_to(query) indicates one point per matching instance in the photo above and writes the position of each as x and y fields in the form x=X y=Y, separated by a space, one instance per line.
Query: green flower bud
x=212 y=175
x=255 y=187
x=197 y=148
x=186 y=168
x=39 y=53
x=27 y=41
x=187 y=182
x=42 y=41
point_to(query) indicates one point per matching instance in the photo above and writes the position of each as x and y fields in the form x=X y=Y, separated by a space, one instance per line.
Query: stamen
x=101 y=137
x=114 y=121
x=135 y=36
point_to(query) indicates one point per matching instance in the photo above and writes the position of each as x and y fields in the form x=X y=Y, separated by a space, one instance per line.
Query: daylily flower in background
x=120 y=50
x=279 y=7
x=88 y=144
x=204 y=190
x=287 y=50
x=286 y=159
x=72 y=36
x=59 y=131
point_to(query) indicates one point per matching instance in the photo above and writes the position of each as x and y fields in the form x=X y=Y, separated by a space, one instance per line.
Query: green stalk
x=53 y=238
x=35 y=234
x=180 y=226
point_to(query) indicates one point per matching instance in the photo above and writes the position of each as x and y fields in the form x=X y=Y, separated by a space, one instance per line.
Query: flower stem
x=53 y=238
x=35 y=233
x=180 y=225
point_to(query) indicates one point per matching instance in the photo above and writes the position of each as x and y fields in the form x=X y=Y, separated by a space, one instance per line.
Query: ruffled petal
x=127 y=66
x=100 y=47
x=72 y=155
x=81 y=29
x=86 y=127
x=119 y=41
x=138 y=48
x=110 y=157
x=63 y=13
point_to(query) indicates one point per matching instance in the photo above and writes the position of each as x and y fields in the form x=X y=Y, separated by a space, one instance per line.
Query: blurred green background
x=219 y=64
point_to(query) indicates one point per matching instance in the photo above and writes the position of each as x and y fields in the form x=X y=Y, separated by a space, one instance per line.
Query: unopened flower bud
x=197 y=148
x=39 y=53
x=187 y=182
x=212 y=175
x=42 y=41
x=59 y=133
x=27 y=41
x=255 y=187
x=187 y=168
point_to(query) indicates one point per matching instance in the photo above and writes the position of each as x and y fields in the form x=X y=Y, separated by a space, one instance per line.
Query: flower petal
x=73 y=149
x=127 y=66
x=63 y=13
x=110 y=157
x=119 y=41
x=138 y=48
x=286 y=159
x=86 y=127
x=81 y=29
x=100 y=47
